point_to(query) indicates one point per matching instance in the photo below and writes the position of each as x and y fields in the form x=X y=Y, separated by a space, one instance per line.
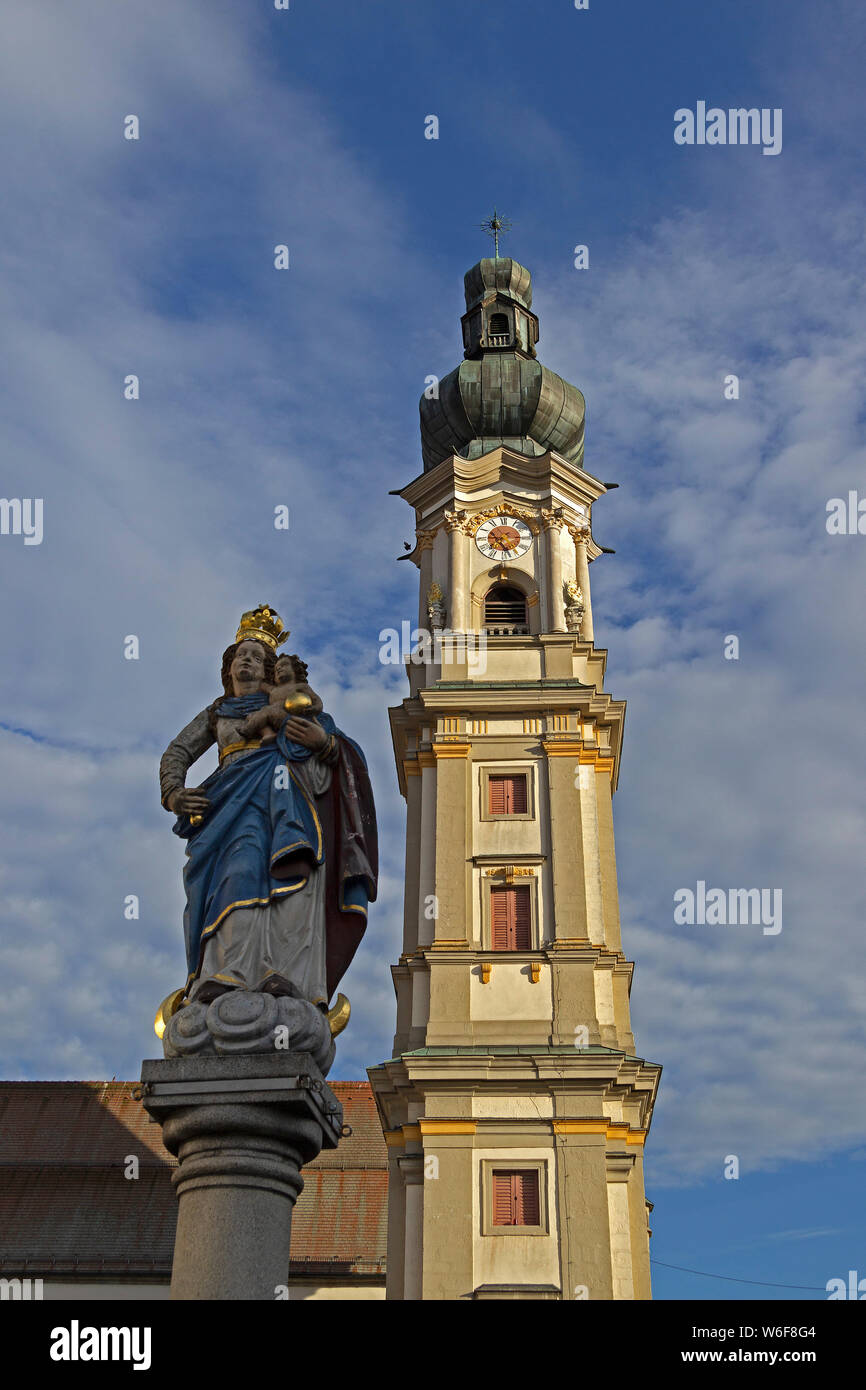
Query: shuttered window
x=511 y=918
x=515 y=1198
x=507 y=794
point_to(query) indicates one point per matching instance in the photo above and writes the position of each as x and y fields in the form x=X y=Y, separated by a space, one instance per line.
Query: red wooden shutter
x=502 y=1200
x=515 y=1198
x=511 y=918
x=518 y=795
x=499 y=918
x=498 y=796
x=507 y=795
x=527 y=1212
x=522 y=919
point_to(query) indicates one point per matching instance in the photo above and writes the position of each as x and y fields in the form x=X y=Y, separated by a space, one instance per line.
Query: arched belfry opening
x=498 y=331
x=505 y=611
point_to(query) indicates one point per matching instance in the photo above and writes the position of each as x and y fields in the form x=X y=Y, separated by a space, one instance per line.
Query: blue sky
x=306 y=128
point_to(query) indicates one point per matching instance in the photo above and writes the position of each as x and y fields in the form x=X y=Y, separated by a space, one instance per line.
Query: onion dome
x=501 y=394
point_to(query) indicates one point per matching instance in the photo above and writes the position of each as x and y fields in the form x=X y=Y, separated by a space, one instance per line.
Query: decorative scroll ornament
x=509 y=871
x=262 y=624
x=551 y=518
x=504 y=508
x=436 y=606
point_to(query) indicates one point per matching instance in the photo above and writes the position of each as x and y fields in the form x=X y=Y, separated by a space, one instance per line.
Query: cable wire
x=731 y=1279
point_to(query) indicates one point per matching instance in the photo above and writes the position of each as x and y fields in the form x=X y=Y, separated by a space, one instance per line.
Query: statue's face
x=248 y=667
x=284 y=671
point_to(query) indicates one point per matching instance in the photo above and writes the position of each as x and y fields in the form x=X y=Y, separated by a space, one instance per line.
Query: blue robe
x=260 y=816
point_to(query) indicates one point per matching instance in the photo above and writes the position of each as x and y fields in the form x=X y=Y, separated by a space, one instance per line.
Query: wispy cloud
x=259 y=388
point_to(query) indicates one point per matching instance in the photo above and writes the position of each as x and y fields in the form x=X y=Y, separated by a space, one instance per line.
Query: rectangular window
x=507 y=794
x=511 y=918
x=515 y=1198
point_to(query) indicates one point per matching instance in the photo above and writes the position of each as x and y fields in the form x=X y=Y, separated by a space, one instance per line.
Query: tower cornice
x=497 y=465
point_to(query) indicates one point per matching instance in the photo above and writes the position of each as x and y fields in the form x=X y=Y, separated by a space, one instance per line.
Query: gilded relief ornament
x=575 y=607
x=503 y=509
x=436 y=606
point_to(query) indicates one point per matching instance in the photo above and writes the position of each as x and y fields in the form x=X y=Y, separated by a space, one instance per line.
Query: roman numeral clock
x=503 y=537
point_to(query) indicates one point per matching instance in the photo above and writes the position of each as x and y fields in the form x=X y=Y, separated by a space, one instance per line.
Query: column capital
x=412 y=1168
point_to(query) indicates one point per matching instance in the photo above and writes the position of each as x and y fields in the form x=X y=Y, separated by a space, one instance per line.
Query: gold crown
x=262 y=624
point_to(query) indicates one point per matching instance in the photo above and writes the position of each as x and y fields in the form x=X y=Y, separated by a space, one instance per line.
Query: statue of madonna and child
x=281 y=858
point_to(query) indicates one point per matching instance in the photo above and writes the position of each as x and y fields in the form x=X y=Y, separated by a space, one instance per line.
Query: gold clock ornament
x=503 y=537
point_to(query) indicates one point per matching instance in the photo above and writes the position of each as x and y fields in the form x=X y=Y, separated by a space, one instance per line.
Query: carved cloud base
x=243 y=1022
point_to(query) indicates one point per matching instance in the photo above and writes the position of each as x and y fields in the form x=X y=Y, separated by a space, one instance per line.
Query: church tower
x=514 y=1107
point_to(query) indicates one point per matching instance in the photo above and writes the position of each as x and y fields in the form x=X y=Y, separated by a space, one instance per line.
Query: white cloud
x=256 y=389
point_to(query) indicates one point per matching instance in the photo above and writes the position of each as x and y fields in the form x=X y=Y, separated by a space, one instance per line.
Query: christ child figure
x=291 y=697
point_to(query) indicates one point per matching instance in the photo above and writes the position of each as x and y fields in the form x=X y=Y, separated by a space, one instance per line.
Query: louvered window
x=505 y=611
x=497 y=331
x=516 y=1198
x=507 y=794
x=511 y=918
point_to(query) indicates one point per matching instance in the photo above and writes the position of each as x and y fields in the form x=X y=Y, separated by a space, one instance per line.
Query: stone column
x=585 y=1243
x=640 y=1255
x=412 y=1168
x=555 y=598
x=567 y=840
x=454 y=522
x=451 y=838
x=427 y=847
x=619 y=1168
x=425 y=567
x=580 y=536
x=412 y=900
x=242 y=1117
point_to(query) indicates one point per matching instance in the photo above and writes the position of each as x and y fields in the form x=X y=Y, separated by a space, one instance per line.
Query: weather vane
x=493 y=226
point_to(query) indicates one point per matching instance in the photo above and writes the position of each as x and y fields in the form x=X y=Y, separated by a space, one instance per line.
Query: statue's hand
x=307 y=732
x=188 y=801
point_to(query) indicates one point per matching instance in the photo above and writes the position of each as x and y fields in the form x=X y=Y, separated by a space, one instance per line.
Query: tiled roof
x=66 y=1206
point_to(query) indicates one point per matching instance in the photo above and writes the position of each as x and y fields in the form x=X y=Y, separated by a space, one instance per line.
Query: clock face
x=504 y=537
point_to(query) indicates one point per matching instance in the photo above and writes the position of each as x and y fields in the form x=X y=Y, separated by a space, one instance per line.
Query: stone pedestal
x=242 y=1127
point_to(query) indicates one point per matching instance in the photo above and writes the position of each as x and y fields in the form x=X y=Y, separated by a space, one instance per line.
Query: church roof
x=66 y=1207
